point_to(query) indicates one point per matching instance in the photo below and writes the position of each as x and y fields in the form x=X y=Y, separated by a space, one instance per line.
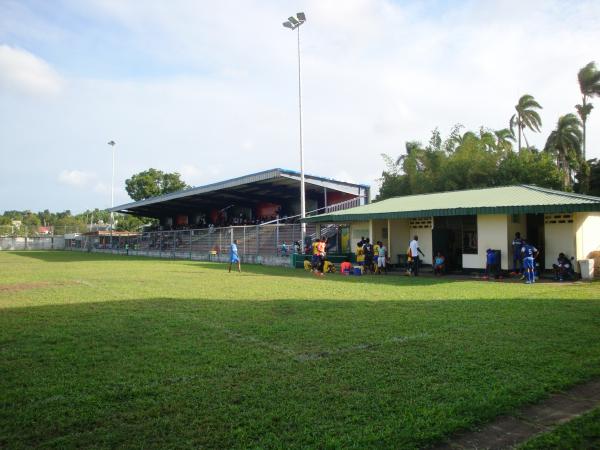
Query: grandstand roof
x=267 y=186
x=521 y=199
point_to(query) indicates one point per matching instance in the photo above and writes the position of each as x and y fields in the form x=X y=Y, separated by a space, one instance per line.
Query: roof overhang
x=267 y=186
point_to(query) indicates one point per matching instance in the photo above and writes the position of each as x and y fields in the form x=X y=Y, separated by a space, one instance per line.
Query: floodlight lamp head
x=111 y=143
x=288 y=25
x=301 y=17
x=293 y=20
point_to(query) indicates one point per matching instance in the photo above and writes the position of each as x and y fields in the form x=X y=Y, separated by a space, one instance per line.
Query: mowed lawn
x=107 y=351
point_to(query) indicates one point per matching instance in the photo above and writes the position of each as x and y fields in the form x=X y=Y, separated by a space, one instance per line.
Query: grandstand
x=261 y=210
x=247 y=200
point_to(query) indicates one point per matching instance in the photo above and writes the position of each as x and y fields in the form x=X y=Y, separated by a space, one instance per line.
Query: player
x=517 y=245
x=233 y=256
x=529 y=253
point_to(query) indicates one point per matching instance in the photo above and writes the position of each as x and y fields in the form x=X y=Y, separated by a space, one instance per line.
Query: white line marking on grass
x=312 y=356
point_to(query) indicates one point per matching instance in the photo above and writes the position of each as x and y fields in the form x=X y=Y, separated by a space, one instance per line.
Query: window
x=469 y=234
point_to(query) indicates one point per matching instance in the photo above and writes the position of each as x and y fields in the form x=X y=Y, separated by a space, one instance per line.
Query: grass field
x=101 y=351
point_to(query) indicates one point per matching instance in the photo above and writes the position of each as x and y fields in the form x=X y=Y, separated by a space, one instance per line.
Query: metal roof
x=521 y=199
x=267 y=185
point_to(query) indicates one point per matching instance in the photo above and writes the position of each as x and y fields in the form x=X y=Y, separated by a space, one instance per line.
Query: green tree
x=526 y=117
x=564 y=143
x=589 y=85
x=594 y=179
x=529 y=166
x=152 y=182
x=504 y=139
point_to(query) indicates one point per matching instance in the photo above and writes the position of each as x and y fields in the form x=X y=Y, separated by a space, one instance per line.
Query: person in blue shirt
x=491 y=265
x=529 y=253
x=233 y=256
x=517 y=244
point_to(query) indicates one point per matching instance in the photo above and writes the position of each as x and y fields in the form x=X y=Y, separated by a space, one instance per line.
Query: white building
x=462 y=225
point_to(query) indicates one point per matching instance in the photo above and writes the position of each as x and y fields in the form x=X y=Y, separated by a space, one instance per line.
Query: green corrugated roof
x=501 y=200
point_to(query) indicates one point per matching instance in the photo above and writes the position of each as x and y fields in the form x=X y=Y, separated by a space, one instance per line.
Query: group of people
x=372 y=257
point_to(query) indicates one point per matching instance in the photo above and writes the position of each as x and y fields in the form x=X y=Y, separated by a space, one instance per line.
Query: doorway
x=535 y=235
x=447 y=239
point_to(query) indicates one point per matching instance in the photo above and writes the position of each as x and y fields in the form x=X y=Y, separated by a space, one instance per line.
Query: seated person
x=439 y=264
x=346 y=267
x=307 y=264
x=328 y=267
x=563 y=267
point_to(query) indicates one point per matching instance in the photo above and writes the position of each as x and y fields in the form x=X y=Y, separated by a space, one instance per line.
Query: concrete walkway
x=509 y=431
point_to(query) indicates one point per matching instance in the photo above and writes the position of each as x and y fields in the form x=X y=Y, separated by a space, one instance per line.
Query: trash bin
x=586 y=267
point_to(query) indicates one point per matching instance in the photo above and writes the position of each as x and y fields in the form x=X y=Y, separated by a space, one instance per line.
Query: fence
x=254 y=242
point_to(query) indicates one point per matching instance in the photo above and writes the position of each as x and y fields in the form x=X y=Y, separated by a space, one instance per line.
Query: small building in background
x=462 y=225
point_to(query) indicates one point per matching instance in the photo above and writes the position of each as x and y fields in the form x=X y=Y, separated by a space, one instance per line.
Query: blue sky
x=209 y=88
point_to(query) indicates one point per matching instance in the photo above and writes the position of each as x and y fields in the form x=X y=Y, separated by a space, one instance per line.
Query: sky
x=210 y=89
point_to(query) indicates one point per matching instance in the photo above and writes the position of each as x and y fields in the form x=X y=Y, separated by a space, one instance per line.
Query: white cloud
x=26 y=72
x=101 y=188
x=191 y=174
x=77 y=178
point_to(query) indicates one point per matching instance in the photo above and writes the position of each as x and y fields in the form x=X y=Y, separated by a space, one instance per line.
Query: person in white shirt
x=381 y=258
x=414 y=253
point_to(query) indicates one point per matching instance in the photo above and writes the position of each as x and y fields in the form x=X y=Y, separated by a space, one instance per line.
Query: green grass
x=100 y=351
x=581 y=433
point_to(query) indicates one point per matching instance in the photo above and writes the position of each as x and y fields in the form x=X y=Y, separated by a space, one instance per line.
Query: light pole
x=112 y=194
x=293 y=23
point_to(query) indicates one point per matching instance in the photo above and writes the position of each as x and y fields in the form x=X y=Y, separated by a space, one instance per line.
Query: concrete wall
x=35 y=243
x=587 y=236
x=492 y=232
x=279 y=261
x=399 y=237
x=358 y=230
x=558 y=237
x=380 y=231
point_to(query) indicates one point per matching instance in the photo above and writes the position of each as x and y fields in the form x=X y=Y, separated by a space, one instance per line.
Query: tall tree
x=589 y=85
x=152 y=182
x=526 y=117
x=565 y=144
x=504 y=139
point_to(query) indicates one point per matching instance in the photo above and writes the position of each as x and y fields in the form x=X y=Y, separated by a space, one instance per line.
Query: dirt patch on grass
x=18 y=287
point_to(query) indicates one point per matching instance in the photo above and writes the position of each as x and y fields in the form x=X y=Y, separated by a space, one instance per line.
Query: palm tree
x=526 y=117
x=565 y=144
x=504 y=138
x=589 y=84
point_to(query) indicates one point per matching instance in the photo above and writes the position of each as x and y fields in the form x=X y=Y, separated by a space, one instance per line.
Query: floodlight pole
x=112 y=195
x=294 y=23
x=302 y=189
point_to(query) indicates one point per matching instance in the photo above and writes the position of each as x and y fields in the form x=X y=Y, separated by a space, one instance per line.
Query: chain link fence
x=264 y=240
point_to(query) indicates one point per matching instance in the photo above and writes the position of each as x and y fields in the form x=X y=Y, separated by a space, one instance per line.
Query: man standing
x=517 y=244
x=368 y=250
x=381 y=258
x=233 y=256
x=529 y=253
x=414 y=253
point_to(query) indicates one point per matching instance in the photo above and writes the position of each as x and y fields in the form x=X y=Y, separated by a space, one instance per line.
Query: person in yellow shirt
x=328 y=267
x=360 y=254
x=375 y=254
